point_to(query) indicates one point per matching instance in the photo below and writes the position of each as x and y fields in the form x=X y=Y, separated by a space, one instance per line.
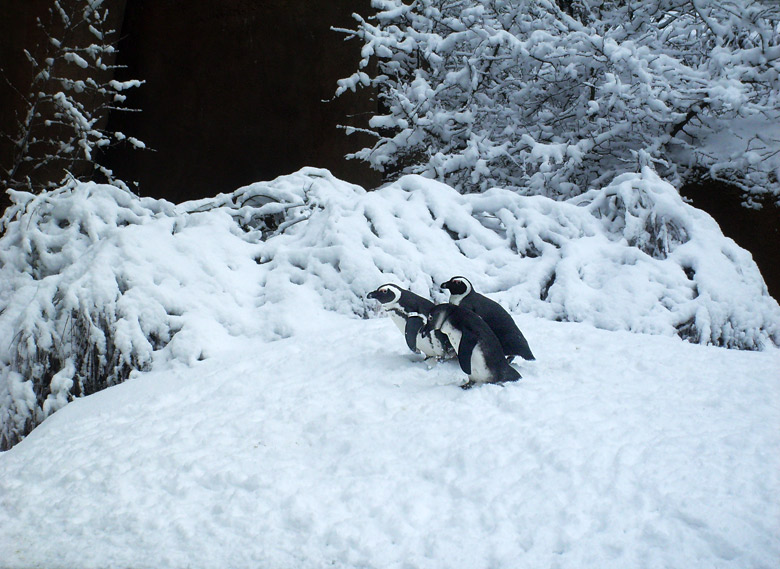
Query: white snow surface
x=273 y=418
x=337 y=447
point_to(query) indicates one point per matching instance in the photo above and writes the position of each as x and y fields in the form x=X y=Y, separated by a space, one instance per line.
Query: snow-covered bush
x=553 y=97
x=95 y=282
x=631 y=256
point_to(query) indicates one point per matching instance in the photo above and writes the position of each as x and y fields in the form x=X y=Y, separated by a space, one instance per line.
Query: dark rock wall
x=757 y=230
x=234 y=93
x=18 y=30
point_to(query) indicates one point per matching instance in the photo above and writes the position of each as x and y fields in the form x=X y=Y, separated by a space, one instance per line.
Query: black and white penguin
x=512 y=340
x=409 y=311
x=479 y=352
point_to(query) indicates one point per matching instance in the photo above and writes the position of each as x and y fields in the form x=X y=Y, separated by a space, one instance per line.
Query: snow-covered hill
x=272 y=418
x=336 y=447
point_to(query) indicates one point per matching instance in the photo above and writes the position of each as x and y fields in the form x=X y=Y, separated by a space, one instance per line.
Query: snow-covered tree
x=554 y=97
x=61 y=130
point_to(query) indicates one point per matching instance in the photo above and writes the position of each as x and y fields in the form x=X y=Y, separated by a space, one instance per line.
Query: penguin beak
x=373 y=294
x=446 y=285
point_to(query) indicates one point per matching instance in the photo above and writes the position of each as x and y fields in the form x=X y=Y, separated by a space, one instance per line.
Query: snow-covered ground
x=337 y=447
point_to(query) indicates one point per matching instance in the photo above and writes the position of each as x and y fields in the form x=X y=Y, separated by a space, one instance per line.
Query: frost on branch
x=98 y=282
x=61 y=133
x=553 y=97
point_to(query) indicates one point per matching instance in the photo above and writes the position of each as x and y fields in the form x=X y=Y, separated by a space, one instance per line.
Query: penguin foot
x=468 y=385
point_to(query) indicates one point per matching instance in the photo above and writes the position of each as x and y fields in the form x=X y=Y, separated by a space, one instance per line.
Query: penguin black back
x=479 y=351
x=500 y=321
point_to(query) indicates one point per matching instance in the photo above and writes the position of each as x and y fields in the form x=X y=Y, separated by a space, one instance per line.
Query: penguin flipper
x=413 y=325
x=466 y=347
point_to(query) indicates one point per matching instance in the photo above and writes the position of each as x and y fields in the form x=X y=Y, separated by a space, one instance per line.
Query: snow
x=746 y=142
x=338 y=447
x=261 y=412
x=669 y=87
x=85 y=286
x=77 y=59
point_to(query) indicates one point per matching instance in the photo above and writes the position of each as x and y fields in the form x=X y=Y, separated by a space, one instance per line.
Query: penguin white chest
x=398 y=320
x=479 y=369
x=453 y=334
x=429 y=346
x=480 y=373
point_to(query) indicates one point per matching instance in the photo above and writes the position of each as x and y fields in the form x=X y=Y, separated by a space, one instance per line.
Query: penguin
x=410 y=312
x=512 y=340
x=479 y=352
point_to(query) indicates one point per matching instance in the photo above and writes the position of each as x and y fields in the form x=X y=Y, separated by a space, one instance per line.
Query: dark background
x=234 y=93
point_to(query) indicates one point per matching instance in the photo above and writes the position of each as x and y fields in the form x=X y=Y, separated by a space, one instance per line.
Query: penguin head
x=459 y=288
x=436 y=318
x=387 y=294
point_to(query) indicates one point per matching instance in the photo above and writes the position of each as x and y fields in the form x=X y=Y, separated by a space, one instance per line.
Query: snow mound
x=97 y=282
x=631 y=256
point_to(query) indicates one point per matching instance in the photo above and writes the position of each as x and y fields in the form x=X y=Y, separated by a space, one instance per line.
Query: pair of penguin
x=482 y=334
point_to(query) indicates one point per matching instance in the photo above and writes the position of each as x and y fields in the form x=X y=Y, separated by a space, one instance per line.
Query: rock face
x=757 y=230
x=235 y=93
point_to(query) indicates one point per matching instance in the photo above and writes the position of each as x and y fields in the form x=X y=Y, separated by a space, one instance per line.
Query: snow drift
x=97 y=282
x=338 y=448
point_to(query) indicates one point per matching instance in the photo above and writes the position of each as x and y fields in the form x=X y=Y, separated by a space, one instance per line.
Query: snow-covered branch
x=66 y=105
x=476 y=93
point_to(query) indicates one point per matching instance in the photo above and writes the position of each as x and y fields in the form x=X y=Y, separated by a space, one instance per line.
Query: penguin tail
x=510 y=374
x=526 y=354
x=520 y=347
